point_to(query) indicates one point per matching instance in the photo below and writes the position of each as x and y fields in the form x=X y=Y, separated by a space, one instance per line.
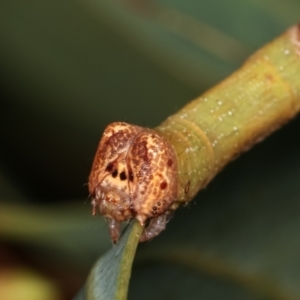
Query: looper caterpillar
x=146 y=174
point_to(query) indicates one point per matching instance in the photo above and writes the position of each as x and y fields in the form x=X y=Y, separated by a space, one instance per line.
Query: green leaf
x=109 y=278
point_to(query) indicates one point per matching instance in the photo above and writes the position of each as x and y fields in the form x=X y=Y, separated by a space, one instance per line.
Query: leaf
x=109 y=278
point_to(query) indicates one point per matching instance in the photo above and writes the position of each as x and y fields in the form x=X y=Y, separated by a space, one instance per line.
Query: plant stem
x=240 y=111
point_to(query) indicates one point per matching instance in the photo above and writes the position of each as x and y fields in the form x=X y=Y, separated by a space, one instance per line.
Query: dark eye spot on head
x=170 y=162
x=114 y=173
x=130 y=175
x=163 y=185
x=154 y=208
x=123 y=176
x=109 y=167
x=158 y=203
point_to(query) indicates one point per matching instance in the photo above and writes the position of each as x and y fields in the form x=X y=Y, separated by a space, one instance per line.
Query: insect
x=134 y=175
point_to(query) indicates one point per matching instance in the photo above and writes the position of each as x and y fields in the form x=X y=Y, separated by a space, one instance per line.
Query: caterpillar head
x=134 y=174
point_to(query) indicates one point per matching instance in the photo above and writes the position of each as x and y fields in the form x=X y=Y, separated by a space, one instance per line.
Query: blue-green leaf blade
x=109 y=278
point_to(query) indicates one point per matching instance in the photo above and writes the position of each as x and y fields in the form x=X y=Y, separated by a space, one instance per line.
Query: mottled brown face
x=134 y=173
x=109 y=177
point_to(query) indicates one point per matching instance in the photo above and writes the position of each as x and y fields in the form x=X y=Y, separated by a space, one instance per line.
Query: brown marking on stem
x=269 y=77
x=187 y=187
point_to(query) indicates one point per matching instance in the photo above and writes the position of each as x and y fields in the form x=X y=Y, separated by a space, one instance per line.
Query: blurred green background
x=71 y=67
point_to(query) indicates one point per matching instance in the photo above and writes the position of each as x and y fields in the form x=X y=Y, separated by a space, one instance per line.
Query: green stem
x=242 y=110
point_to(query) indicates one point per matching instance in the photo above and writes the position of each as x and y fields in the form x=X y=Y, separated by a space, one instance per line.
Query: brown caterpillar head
x=134 y=173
